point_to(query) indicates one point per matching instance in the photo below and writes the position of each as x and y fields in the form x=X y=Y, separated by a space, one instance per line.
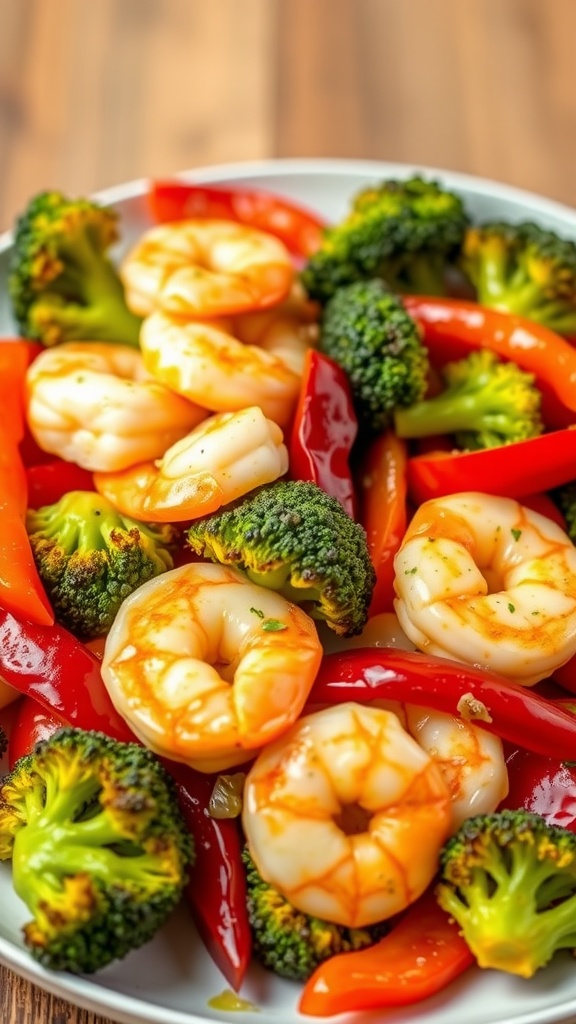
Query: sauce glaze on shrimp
x=371 y=803
x=485 y=581
x=205 y=268
x=207 y=667
x=95 y=404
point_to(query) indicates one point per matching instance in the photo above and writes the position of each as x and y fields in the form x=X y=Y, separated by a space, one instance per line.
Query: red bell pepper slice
x=511 y=470
x=52 y=667
x=299 y=229
x=454 y=327
x=324 y=430
x=382 y=484
x=31 y=724
x=422 y=954
x=513 y=712
x=219 y=910
x=50 y=481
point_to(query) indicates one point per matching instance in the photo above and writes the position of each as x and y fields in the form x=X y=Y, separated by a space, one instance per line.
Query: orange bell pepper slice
x=382 y=485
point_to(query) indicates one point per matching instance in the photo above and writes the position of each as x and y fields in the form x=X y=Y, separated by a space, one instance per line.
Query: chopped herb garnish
x=511 y=607
x=516 y=534
x=273 y=625
x=258 y=612
x=410 y=572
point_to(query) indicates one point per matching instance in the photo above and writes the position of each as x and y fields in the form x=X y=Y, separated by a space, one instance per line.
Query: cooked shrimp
x=95 y=404
x=204 y=361
x=206 y=268
x=484 y=580
x=470 y=758
x=287 y=331
x=224 y=457
x=346 y=814
x=207 y=667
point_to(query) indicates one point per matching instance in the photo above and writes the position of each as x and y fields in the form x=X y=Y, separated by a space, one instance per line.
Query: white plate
x=171 y=980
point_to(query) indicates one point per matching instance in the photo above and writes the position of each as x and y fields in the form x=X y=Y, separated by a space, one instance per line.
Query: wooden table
x=96 y=93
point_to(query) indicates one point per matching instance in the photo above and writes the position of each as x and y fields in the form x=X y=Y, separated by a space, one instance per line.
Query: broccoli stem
x=94 y=292
x=447 y=414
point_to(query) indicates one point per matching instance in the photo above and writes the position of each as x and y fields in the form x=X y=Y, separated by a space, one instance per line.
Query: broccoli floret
x=523 y=269
x=99 y=849
x=290 y=942
x=90 y=557
x=366 y=330
x=406 y=232
x=62 y=284
x=509 y=881
x=485 y=403
x=292 y=537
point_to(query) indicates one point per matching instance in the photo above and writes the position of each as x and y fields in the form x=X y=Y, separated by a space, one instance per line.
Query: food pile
x=288 y=587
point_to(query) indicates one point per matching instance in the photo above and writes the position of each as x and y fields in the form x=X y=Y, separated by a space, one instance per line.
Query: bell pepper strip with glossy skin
x=50 y=481
x=16 y=354
x=324 y=429
x=536 y=465
x=543 y=785
x=420 y=956
x=220 y=909
x=382 y=488
x=452 y=328
x=300 y=229
x=52 y=667
x=31 y=724
x=21 y=590
x=513 y=712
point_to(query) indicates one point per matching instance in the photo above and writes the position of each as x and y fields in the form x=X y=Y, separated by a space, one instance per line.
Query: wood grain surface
x=94 y=93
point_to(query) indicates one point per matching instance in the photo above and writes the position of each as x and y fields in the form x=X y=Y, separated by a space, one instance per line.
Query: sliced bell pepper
x=382 y=486
x=16 y=354
x=419 y=957
x=52 y=667
x=454 y=327
x=31 y=724
x=50 y=481
x=511 y=470
x=219 y=910
x=299 y=229
x=324 y=430
x=21 y=589
x=513 y=712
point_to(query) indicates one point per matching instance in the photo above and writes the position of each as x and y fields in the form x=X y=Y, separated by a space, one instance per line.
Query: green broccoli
x=99 y=849
x=290 y=942
x=523 y=269
x=61 y=282
x=485 y=403
x=509 y=881
x=90 y=557
x=366 y=330
x=292 y=537
x=406 y=232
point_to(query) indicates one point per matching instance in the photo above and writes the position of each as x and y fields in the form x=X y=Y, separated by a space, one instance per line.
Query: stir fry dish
x=288 y=588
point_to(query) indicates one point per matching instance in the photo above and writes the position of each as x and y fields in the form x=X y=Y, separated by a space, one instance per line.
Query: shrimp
x=224 y=457
x=204 y=361
x=471 y=759
x=95 y=404
x=484 y=580
x=346 y=814
x=204 y=268
x=207 y=667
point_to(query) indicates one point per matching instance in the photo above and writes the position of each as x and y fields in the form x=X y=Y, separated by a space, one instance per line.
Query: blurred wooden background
x=94 y=92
